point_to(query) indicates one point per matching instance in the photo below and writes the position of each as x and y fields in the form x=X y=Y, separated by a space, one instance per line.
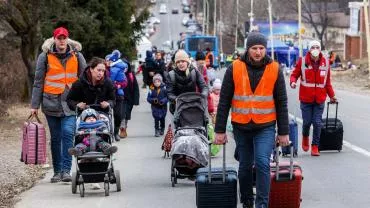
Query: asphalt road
x=334 y=179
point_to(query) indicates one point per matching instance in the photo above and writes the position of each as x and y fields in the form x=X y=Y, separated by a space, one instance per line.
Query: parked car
x=186 y=9
x=163 y=9
x=153 y=20
x=185 y=20
x=184 y=3
x=175 y=11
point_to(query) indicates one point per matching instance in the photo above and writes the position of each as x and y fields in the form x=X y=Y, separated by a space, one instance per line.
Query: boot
x=157 y=133
x=122 y=132
x=315 y=150
x=305 y=143
x=161 y=132
x=117 y=138
x=110 y=150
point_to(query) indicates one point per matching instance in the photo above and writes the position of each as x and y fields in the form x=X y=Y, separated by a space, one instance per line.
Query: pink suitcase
x=33 y=142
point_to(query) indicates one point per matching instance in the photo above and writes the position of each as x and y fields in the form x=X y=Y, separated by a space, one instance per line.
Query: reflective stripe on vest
x=57 y=76
x=258 y=106
x=321 y=68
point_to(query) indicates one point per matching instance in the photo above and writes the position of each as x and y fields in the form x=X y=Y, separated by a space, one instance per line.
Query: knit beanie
x=313 y=43
x=157 y=77
x=217 y=86
x=181 y=55
x=256 y=38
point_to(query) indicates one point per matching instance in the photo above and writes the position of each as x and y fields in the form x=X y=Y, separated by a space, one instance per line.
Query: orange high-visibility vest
x=258 y=106
x=208 y=60
x=58 y=77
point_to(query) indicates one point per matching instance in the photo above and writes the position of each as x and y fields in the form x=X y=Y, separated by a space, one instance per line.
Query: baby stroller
x=93 y=166
x=190 y=144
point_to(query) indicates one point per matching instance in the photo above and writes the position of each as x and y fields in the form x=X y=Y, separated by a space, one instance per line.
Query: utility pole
x=251 y=19
x=214 y=17
x=300 y=28
x=204 y=17
x=271 y=34
x=366 y=14
x=220 y=26
x=236 y=25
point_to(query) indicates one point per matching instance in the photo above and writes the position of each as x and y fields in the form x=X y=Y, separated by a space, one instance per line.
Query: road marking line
x=345 y=143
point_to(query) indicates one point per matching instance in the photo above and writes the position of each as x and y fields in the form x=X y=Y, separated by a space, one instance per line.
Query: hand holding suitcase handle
x=33 y=115
x=276 y=158
x=223 y=163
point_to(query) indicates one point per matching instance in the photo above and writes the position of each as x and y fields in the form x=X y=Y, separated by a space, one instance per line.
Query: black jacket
x=183 y=83
x=255 y=73
x=132 y=91
x=83 y=91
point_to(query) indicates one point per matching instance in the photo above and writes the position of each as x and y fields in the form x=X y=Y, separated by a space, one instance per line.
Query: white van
x=142 y=46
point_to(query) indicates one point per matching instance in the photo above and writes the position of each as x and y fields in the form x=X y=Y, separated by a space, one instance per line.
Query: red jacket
x=315 y=82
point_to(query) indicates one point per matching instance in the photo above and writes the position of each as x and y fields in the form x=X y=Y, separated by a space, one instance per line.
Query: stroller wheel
x=173 y=181
x=118 y=180
x=74 y=182
x=82 y=189
x=106 y=188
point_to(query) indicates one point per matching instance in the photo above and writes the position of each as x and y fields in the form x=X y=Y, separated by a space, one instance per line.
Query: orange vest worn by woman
x=57 y=77
x=258 y=106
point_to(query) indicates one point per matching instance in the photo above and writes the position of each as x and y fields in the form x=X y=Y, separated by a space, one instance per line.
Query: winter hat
x=88 y=113
x=217 y=84
x=157 y=77
x=313 y=43
x=116 y=54
x=256 y=38
x=200 y=56
x=181 y=55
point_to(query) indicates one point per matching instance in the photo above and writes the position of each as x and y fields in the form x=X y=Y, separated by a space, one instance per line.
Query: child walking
x=157 y=97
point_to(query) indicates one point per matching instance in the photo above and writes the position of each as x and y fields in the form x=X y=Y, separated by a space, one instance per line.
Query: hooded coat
x=117 y=75
x=54 y=105
x=157 y=97
x=84 y=91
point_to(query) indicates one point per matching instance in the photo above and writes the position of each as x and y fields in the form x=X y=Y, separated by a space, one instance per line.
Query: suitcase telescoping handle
x=223 y=163
x=336 y=113
x=277 y=161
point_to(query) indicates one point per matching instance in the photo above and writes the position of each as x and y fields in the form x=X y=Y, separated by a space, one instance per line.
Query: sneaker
x=305 y=143
x=161 y=132
x=95 y=186
x=157 y=133
x=66 y=177
x=122 y=132
x=57 y=177
x=315 y=150
x=74 y=151
x=110 y=150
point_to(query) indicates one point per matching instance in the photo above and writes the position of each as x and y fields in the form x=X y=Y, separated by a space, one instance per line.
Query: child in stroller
x=89 y=123
x=190 y=144
x=93 y=149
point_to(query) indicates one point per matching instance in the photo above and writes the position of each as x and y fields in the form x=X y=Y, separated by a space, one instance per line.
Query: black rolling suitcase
x=331 y=137
x=216 y=187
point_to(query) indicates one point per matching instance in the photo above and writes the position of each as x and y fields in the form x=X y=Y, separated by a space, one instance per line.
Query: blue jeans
x=255 y=148
x=62 y=130
x=312 y=114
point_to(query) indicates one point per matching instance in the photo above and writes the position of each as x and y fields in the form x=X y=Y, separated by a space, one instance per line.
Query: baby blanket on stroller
x=192 y=143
